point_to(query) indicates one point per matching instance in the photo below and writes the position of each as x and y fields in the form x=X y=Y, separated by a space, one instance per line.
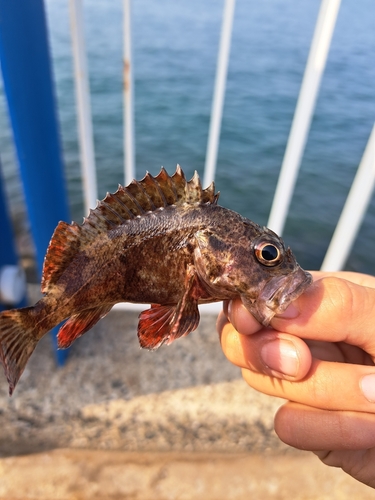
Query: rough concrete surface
x=110 y=475
x=120 y=422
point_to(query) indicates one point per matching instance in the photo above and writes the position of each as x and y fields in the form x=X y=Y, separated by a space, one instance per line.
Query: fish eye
x=268 y=254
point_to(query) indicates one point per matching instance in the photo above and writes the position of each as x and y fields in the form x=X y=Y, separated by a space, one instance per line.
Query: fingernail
x=229 y=306
x=281 y=356
x=368 y=387
x=290 y=312
x=233 y=311
x=230 y=313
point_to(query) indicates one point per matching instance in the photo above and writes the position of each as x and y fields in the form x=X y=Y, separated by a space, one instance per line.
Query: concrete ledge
x=108 y=475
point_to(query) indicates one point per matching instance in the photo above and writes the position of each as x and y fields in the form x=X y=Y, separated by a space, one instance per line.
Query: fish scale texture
x=162 y=241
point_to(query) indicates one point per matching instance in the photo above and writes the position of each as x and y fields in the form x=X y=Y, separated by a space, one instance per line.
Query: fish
x=162 y=241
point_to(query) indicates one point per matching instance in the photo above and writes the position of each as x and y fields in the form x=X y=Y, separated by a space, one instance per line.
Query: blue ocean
x=175 y=46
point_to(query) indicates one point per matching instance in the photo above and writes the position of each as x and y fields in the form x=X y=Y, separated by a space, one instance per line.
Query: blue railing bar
x=303 y=115
x=86 y=143
x=354 y=210
x=219 y=92
x=28 y=84
x=129 y=143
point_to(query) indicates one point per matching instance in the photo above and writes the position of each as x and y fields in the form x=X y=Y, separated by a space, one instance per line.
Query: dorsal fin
x=115 y=209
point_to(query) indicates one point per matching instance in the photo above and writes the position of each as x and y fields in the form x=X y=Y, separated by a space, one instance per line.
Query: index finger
x=332 y=310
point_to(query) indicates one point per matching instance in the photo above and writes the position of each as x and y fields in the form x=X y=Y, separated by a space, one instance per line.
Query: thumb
x=332 y=310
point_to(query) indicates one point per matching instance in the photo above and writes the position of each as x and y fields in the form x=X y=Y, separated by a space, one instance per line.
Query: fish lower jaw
x=264 y=311
x=279 y=302
x=276 y=296
x=259 y=309
x=295 y=292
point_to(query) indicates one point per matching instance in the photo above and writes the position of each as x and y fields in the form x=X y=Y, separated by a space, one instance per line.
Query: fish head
x=255 y=265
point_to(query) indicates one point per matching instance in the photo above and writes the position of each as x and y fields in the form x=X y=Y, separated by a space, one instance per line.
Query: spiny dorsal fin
x=115 y=209
x=63 y=246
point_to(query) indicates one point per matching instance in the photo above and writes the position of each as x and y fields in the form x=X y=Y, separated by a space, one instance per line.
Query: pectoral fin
x=79 y=324
x=163 y=324
x=154 y=326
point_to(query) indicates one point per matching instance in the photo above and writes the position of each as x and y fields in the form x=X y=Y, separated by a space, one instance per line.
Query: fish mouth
x=277 y=294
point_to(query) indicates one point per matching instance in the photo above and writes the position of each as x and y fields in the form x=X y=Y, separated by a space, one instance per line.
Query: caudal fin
x=17 y=343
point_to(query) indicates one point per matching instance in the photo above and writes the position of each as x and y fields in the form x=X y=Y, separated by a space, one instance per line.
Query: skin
x=319 y=355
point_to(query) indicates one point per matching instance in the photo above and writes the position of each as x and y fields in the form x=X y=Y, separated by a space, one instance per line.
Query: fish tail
x=18 y=340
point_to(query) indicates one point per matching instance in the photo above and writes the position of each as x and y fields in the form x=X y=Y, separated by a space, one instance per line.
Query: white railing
x=128 y=98
x=219 y=92
x=353 y=211
x=316 y=63
x=363 y=185
x=85 y=135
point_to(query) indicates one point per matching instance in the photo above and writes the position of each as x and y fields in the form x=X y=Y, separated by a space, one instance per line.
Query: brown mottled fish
x=162 y=241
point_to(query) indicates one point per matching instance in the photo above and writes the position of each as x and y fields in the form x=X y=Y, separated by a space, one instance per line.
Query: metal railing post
x=354 y=210
x=86 y=143
x=27 y=75
x=219 y=92
x=129 y=143
x=303 y=115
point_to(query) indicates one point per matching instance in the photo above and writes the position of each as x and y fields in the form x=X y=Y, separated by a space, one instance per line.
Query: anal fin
x=79 y=324
x=165 y=323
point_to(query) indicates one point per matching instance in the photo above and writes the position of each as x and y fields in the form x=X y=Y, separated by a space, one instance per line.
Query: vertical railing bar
x=303 y=114
x=219 y=92
x=83 y=105
x=354 y=210
x=129 y=143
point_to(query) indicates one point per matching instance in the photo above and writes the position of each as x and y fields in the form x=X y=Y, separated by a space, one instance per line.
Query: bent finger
x=242 y=320
x=332 y=310
x=328 y=385
x=314 y=429
x=266 y=352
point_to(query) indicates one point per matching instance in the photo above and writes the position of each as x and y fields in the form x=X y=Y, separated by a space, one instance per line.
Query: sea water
x=175 y=45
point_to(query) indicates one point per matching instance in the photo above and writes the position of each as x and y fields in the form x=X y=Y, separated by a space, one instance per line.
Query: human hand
x=319 y=355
